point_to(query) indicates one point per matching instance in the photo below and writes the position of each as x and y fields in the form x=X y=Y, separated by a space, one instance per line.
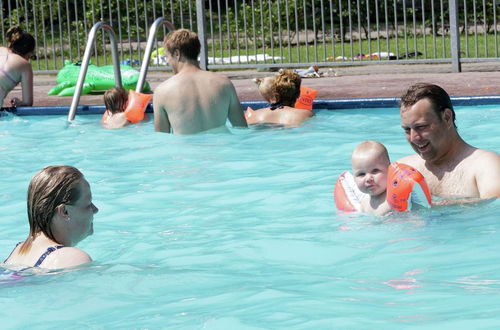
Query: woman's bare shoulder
x=66 y=257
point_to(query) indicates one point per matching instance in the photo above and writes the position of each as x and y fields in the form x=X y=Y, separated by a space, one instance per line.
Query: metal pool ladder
x=149 y=47
x=86 y=60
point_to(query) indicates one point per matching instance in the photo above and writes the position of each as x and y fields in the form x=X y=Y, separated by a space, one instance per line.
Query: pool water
x=239 y=231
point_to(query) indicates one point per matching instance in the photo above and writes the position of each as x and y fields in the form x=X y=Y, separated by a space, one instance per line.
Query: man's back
x=194 y=101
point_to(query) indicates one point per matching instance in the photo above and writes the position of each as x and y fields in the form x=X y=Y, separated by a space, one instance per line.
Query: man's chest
x=454 y=182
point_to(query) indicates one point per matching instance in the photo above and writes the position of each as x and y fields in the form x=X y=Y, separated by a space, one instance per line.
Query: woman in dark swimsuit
x=15 y=66
x=60 y=214
x=281 y=91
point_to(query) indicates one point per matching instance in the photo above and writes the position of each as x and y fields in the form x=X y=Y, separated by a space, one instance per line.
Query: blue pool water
x=240 y=231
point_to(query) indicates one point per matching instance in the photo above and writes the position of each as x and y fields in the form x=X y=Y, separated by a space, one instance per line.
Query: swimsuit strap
x=49 y=251
x=277 y=105
x=6 y=74
x=12 y=251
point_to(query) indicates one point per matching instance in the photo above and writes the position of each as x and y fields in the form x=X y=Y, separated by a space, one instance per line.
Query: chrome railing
x=86 y=60
x=149 y=49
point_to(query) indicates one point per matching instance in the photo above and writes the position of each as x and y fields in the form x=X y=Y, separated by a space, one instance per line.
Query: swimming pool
x=240 y=231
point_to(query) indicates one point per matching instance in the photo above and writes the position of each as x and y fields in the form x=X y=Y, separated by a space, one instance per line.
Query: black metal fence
x=279 y=33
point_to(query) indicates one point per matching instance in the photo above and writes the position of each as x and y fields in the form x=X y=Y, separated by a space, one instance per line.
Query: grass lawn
x=430 y=47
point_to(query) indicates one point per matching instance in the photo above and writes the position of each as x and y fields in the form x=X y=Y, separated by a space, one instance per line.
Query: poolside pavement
x=374 y=80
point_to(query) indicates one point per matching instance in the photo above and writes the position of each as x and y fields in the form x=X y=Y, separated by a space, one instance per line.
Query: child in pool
x=117 y=100
x=281 y=91
x=370 y=162
x=265 y=86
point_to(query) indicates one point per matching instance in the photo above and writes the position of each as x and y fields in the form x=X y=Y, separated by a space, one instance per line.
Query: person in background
x=193 y=100
x=15 y=66
x=281 y=91
x=60 y=215
x=115 y=100
x=123 y=108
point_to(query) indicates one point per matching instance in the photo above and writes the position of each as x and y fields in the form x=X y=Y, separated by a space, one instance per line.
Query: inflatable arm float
x=405 y=185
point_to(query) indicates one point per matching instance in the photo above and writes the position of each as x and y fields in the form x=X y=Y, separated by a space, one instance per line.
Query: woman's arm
x=27 y=87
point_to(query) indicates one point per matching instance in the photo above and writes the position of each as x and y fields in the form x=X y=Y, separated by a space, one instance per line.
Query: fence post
x=454 y=37
x=202 y=34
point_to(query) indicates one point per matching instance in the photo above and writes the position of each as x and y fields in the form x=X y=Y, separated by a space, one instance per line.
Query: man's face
x=427 y=133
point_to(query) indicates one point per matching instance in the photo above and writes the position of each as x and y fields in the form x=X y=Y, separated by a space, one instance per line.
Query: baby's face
x=370 y=173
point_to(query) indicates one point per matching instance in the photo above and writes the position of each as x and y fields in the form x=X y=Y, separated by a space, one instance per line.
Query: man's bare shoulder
x=412 y=160
x=166 y=85
x=215 y=78
x=486 y=154
x=482 y=158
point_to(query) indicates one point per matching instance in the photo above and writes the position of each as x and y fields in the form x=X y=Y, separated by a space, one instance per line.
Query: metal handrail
x=149 y=48
x=86 y=60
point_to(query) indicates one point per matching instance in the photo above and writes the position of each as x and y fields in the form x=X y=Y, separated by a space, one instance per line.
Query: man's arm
x=235 y=114
x=162 y=124
x=488 y=175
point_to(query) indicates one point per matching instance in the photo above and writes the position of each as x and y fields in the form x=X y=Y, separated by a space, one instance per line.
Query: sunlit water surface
x=239 y=231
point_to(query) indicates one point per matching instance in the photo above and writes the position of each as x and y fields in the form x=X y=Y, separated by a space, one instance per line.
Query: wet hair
x=115 y=99
x=49 y=188
x=438 y=97
x=185 y=41
x=19 y=41
x=374 y=147
x=286 y=87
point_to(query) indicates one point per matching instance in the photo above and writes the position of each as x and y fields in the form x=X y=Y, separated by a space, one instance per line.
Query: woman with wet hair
x=60 y=215
x=15 y=66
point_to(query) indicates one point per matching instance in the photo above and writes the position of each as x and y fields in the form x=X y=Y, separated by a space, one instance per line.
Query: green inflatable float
x=98 y=79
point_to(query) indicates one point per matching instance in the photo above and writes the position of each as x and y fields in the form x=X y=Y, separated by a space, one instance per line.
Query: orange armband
x=402 y=190
x=346 y=193
x=306 y=98
x=137 y=103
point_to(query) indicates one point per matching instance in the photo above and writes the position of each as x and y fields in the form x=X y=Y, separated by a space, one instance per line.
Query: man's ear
x=448 y=116
x=177 y=54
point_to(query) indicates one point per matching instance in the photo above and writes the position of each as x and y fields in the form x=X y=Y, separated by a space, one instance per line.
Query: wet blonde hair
x=49 y=188
x=19 y=42
x=265 y=86
x=185 y=41
x=115 y=99
x=286 y=87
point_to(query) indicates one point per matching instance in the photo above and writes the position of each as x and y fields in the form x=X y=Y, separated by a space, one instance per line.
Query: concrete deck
x=380 y=80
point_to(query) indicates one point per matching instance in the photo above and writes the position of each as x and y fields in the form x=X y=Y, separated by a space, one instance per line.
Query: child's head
x=286 y=87
x=370 y=161
x=265 y=86
x=283 y=88
x=115 y=99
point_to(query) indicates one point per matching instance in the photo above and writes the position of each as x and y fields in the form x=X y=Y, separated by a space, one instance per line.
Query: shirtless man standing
x=193 y=100
x=454 y=170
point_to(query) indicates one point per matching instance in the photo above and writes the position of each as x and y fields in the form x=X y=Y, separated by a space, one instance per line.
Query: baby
x=115 y=100
x=370 y=162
